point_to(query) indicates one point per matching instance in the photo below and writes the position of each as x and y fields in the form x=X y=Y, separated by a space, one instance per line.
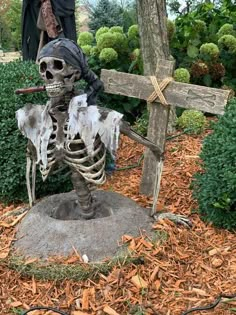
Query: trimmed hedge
x=16 y=75
x=215 y=186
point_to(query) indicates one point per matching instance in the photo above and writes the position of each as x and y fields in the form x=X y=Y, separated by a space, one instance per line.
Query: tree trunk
x=155 y=51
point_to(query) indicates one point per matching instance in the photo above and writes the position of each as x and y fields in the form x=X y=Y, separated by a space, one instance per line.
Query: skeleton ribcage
x=73 y=153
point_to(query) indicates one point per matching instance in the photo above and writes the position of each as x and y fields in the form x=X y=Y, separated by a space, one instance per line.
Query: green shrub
x=200 y=26
x=170 y=29
x=116 y=41
x=228 y=42
x=108 y=55
x=204 y=25
x=15 y=75
x=226 y=29
x=136 y=53
x=114 y=50
x=116 y=29
x=215 y=186
x=141 y=124
x=210 y=49
x=192 y=121
x=85 y=38
x=101 y=31
x=182 y=75
x=86 y=49
x=94 y=51
x=133 y=31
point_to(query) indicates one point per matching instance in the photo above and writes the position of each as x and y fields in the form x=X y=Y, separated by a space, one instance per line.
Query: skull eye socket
x=58 y=65
x=43 y=66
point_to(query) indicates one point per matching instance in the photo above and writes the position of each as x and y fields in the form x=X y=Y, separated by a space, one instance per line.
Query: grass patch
x=77 y=271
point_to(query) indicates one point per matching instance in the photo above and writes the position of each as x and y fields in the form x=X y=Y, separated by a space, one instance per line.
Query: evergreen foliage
x=215 y=186
x=106 y=13
x=16 y=75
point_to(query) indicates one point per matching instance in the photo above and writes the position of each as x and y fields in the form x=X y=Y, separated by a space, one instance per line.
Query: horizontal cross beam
x=190 y=96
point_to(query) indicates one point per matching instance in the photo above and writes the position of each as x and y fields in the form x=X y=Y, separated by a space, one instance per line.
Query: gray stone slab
x=40 y=235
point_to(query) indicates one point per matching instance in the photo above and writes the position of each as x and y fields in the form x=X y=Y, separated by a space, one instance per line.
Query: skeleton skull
x=58 y=76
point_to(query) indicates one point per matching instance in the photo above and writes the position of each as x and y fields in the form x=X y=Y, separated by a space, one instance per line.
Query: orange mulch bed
x=191 y=268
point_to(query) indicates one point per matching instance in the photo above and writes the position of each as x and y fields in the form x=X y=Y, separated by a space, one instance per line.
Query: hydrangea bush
x=182 y=75
x=204 y=42
x=192 y=121
x=112 y=48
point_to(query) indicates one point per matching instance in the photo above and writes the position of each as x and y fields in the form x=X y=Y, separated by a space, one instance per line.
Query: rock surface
x=40 y=235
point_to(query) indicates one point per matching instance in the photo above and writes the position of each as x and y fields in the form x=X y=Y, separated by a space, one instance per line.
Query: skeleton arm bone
x=128 y=131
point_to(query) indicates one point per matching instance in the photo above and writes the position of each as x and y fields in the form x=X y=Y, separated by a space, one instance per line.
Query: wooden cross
x=158 y=62
x=189 y=96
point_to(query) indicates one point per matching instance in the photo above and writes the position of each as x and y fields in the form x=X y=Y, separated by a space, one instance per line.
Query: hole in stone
x=69 y=210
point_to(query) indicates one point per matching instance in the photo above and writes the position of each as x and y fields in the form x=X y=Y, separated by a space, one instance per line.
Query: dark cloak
x=64 y=10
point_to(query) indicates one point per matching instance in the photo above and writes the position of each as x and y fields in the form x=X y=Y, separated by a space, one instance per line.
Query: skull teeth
x=54 y=87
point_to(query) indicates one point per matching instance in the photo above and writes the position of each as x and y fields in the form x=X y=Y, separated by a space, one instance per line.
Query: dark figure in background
x=64 y=12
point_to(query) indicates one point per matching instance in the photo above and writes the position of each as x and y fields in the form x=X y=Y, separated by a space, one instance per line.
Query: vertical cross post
x=157 y=61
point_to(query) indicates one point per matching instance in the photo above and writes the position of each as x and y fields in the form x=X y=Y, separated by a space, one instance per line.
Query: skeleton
x=71 y=129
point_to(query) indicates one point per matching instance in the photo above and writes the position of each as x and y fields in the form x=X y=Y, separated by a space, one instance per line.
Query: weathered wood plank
x=157 y=61
x=210 y=100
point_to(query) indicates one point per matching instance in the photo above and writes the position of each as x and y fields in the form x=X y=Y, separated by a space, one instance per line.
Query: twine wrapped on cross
x=158 y=88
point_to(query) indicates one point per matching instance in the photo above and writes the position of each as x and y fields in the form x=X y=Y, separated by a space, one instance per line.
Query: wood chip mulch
x=188 y=268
